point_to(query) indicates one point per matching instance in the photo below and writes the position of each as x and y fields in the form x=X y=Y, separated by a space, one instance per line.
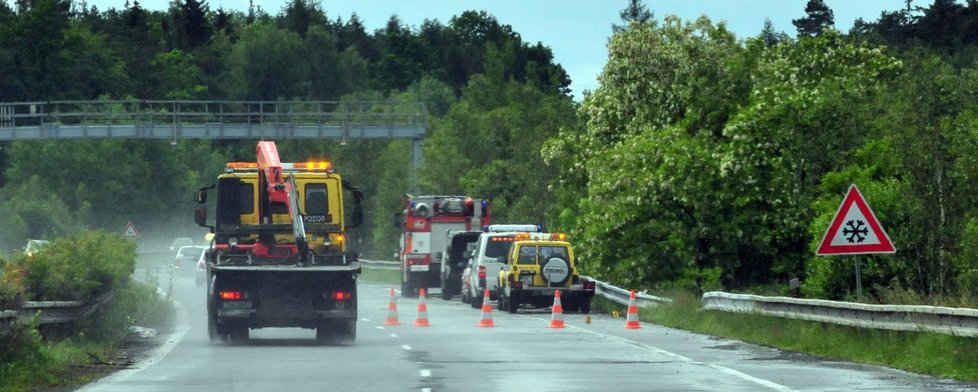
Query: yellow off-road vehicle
x=537 y=265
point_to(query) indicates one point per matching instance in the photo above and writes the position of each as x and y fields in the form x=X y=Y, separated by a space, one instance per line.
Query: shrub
x=78 y=267
x=11 y=285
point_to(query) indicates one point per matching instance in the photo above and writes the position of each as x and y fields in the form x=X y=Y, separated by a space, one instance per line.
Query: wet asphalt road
x=520 y=353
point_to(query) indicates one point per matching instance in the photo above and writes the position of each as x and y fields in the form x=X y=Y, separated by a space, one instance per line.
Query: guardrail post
x=6 y=116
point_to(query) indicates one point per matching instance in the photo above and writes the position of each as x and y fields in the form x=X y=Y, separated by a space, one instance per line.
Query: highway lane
x=455 y=354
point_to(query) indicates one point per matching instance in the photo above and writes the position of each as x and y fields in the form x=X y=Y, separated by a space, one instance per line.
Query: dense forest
x=702 y=161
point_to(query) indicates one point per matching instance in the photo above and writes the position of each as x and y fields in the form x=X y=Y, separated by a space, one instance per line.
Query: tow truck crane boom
x=279 y=193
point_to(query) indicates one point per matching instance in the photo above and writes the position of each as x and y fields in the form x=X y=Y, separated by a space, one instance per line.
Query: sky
x=576 y=30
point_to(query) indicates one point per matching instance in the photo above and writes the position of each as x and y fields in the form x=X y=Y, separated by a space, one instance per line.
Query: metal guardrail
x=52 y=312
x=7 y=320
x=951 y=321
x=622 y=296
x=381 y=264
x=211 y=119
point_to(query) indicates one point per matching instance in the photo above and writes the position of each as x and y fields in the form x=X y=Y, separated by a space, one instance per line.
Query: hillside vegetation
x=702 y=161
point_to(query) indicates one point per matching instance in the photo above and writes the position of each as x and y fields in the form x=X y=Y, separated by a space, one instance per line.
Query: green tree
x=265 y=61
x=818 y=17
x=489 y=143
x=179 y=77
x=636 y=12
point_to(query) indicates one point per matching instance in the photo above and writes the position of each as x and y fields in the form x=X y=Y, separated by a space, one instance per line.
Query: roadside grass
x=380 y=275
x=90 y=351
x=919 y=352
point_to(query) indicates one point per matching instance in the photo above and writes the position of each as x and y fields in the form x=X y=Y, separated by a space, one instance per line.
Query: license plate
x=236 y=305
x=419 y=268
x=527 y=280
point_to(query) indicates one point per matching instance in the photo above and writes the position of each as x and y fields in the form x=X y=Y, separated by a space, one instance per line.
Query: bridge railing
x=126 y=112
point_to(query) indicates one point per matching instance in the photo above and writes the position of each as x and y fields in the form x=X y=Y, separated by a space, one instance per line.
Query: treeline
x=710 y=162
x=64 y=50
x=703 y=160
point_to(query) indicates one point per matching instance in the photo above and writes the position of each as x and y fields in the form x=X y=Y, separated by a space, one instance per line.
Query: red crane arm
x=270 y=164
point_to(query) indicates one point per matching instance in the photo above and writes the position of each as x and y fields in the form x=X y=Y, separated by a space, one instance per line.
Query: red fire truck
x=424 y=226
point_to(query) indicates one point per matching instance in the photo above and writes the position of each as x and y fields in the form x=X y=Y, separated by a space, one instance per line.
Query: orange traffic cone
x=422 y=320
x=486 y=311
x=557 y=318
x=631 y=322
x=392 y=311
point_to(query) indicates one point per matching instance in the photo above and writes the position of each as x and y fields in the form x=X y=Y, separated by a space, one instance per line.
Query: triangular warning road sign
x=855 y=230
x=130 y=230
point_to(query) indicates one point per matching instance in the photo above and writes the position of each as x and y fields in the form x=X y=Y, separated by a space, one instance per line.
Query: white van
x=487 y=258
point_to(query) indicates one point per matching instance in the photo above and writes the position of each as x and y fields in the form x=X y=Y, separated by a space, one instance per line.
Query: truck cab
x=488 y=258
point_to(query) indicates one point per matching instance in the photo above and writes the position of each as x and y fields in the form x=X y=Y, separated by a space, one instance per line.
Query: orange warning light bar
x=317 y=166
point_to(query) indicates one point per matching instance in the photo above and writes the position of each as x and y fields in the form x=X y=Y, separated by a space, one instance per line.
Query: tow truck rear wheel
x=336 y=332
x=214 y=333
x=239 y=334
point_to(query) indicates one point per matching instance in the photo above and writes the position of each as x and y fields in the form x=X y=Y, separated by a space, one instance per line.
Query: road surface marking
x=725 y=370
x=406 y=347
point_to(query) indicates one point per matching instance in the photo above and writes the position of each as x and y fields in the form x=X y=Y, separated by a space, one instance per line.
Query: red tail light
x=482 y=271
x=342 y=295
x=231 y=295
x=588 y=285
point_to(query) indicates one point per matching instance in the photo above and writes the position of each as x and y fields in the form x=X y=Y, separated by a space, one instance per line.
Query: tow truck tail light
x=482 y=272
x=588 y=285
x=341 y=295
x=231 y=295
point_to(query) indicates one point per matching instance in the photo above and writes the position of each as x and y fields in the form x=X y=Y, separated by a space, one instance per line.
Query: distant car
x=34 y=245
x=188 y=255
x=178 y=242
x=200 y=277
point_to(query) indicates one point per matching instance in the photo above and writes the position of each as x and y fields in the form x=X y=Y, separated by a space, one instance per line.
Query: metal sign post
x=855 y=231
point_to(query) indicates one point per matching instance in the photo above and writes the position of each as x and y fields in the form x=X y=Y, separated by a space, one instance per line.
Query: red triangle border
x=854 y=197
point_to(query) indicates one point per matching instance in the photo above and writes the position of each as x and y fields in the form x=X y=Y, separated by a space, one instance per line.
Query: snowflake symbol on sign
x=855 y=231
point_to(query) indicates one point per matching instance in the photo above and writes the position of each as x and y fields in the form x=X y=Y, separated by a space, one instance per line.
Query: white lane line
x=365 y=319
x=379 y=327
x=111 y=381
x=393 y=335
x=425 y=373
x=759 y=381
x=406 y=347
x=425 y=389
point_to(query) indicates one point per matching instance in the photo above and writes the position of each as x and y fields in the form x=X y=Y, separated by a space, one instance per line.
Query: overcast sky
x=576 y=30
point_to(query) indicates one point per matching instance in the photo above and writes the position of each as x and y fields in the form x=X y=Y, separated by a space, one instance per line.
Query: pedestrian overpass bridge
x=175 y=120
